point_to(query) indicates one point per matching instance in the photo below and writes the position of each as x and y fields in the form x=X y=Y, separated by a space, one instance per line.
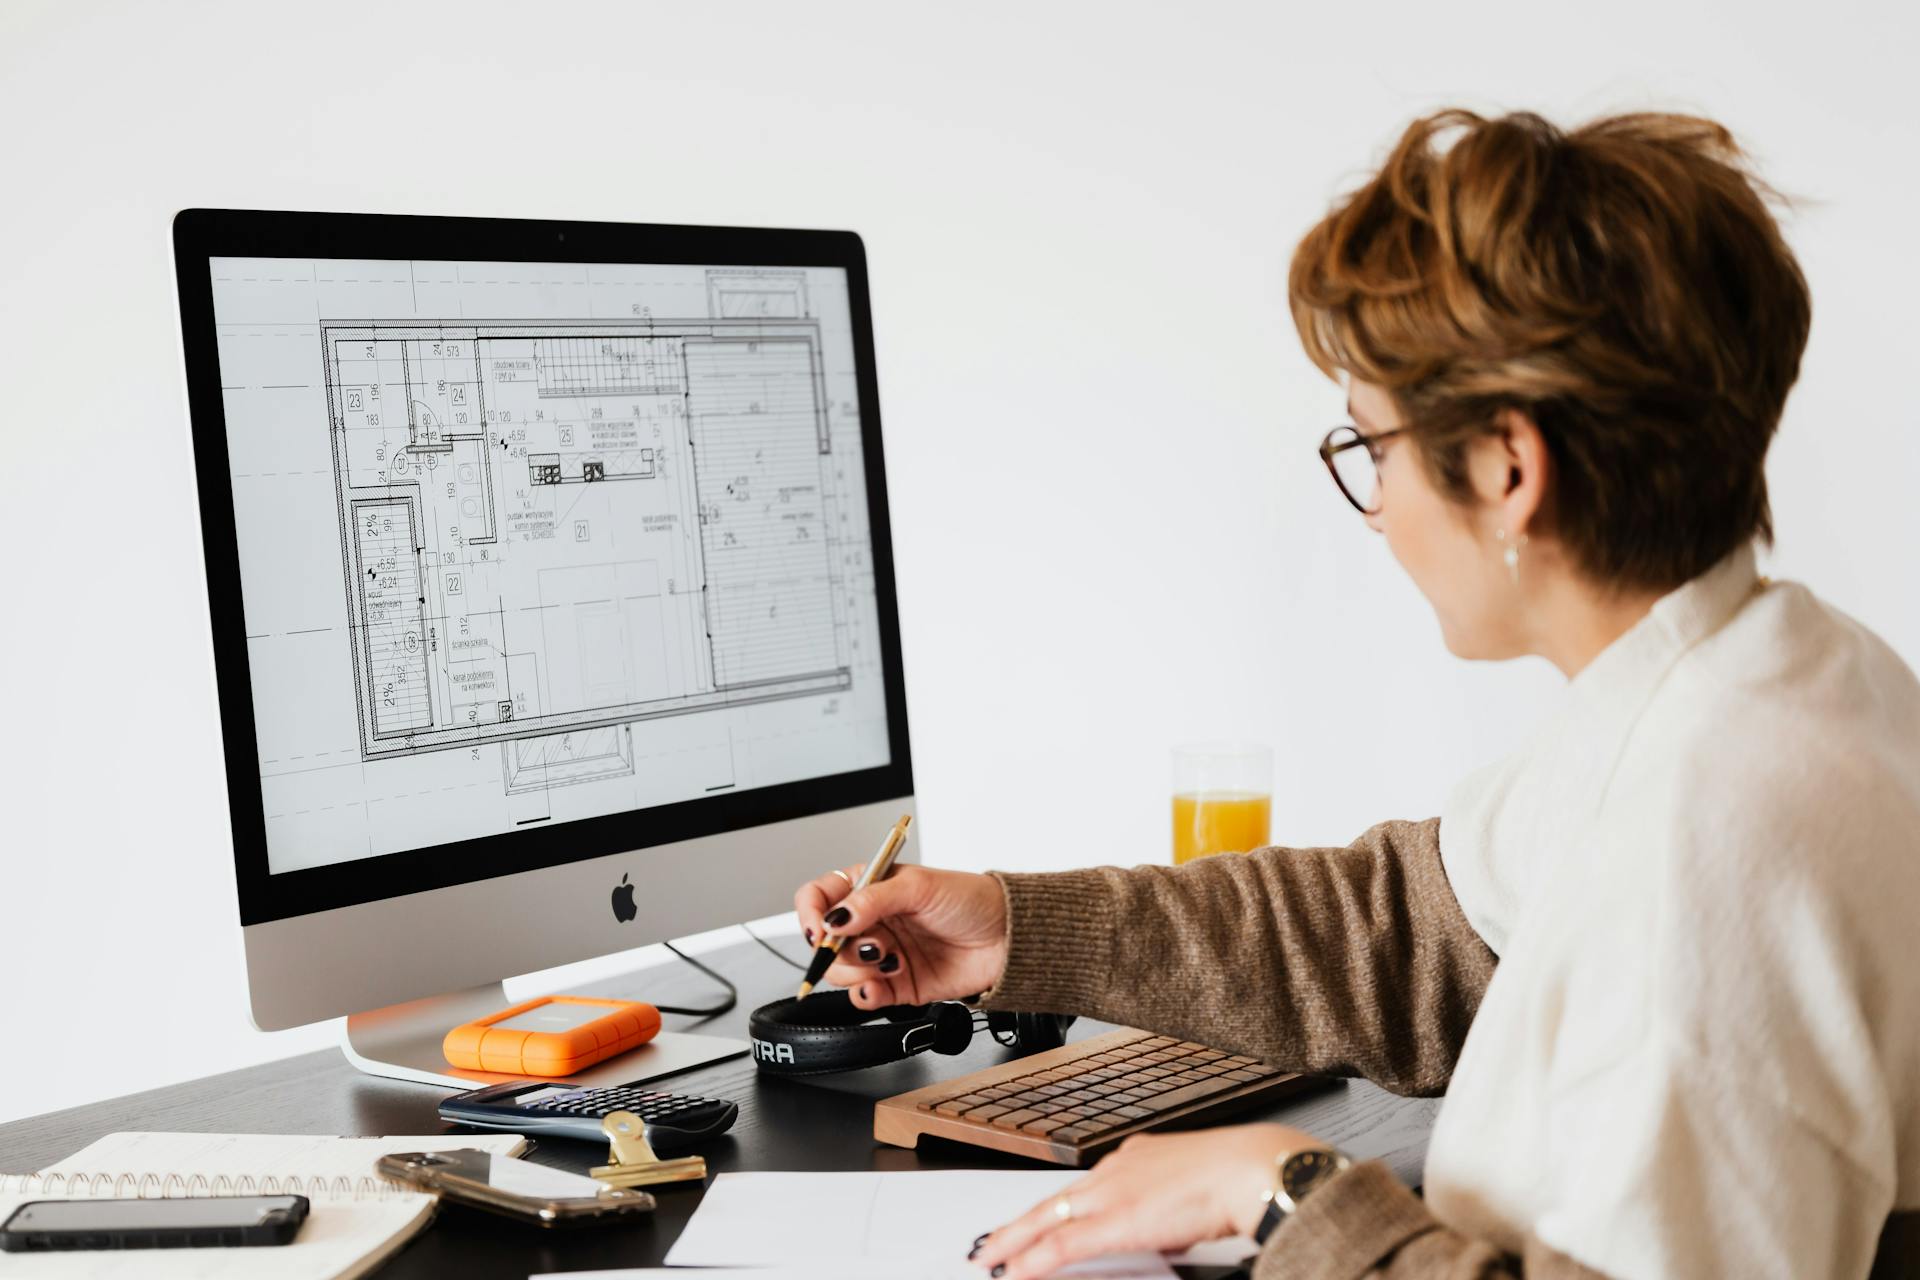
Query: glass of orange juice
x=1222 y=799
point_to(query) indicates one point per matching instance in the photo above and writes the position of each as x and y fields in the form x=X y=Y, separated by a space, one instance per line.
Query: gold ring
x=844 y=876
x=1063 y=1209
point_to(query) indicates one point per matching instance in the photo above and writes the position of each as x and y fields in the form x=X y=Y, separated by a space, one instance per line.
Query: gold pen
x=876 y=871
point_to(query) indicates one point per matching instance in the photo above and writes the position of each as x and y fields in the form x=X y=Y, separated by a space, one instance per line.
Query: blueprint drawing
x=525 y=543
x=563 y=527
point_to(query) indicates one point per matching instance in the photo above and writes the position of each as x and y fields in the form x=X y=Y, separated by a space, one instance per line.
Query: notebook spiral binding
x=152 y=1186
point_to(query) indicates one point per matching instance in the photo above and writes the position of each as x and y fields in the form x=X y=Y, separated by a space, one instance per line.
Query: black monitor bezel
x=202 y=234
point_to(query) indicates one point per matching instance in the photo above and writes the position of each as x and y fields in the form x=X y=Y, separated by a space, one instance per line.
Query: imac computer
x=552 y=598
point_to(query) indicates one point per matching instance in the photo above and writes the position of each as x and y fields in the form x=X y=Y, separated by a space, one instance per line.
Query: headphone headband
x=825 y=1032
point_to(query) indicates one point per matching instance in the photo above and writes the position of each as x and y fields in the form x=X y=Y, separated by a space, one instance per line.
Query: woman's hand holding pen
x=917 y=936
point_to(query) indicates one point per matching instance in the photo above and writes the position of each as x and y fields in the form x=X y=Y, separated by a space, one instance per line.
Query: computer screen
x=523 y=544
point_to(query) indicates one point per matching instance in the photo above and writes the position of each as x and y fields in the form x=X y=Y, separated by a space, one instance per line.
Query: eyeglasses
x=1353 y=460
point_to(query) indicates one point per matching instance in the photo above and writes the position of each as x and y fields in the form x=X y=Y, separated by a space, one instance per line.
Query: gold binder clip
x=634 y=1164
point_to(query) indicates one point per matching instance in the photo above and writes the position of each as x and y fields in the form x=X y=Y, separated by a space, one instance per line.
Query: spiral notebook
x=358 y=1219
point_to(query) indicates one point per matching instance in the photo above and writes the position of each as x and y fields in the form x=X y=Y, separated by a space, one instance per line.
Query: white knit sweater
x=1700 y=1052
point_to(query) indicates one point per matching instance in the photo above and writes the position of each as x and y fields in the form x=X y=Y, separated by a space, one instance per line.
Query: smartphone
x=516 y=1188
x=192 y=1222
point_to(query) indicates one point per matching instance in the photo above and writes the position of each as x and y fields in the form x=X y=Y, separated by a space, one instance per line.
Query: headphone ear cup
x=952 y=1027
x=1041 y=1031
x=1030 y=1032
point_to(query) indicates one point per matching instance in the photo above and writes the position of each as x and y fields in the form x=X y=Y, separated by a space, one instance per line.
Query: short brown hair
x=1623 y=283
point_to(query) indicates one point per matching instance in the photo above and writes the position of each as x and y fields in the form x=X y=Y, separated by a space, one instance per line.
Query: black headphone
x=826 y=1032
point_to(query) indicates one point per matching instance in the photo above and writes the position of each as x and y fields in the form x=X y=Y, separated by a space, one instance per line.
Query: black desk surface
x=823 y=1123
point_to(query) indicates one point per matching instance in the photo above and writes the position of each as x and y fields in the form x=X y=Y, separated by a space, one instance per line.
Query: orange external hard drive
x=551 y=1036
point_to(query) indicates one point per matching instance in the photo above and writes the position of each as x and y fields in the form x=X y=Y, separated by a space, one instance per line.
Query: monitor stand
x=402 y=1042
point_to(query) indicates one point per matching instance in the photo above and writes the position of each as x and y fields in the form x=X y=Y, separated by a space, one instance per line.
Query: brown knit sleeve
x=1336 y=961
x=1364 y=1223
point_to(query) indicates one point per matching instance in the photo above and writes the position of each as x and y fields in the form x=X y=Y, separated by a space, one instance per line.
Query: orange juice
x=1207 y=822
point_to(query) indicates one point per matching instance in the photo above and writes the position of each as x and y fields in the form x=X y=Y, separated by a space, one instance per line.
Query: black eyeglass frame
x=1329 y=449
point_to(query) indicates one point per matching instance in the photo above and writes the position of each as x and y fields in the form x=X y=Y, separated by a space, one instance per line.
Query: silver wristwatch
x=1295 y=1175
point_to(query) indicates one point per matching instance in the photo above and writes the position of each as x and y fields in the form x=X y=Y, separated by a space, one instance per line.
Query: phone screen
x=516 y=1177
x=186 y=1214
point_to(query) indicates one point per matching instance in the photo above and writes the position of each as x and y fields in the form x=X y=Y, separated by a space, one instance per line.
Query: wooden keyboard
x=1073 y=1104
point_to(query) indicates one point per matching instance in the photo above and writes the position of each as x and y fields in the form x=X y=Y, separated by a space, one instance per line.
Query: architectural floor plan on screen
x=564 y=528
x=575 y=552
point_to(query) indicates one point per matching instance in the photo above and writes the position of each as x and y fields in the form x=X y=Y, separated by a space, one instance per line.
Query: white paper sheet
x=852 y=1271
x=1229 y=1252
x=1111 y=1269
x=827 y=1224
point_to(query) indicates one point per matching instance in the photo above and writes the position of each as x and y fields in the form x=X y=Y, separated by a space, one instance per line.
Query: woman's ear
x=1509 y=469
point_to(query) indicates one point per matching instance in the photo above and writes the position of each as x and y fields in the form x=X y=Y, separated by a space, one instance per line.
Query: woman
x=1658 y=960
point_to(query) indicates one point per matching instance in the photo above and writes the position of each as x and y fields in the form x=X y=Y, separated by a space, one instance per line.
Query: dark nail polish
x=999 y=1270
x=973 y=1253
x=809 y=937
x=981 y=1239
x=837 y=917
x=862 y=993
x=890 y=964
x=867 y=951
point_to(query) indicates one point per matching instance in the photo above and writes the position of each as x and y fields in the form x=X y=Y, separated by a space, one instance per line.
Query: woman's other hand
x=1157 y=1193
x=917 y=936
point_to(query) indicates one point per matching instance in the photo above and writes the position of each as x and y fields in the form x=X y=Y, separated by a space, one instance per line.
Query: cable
x=773 y=950
x=733 y=992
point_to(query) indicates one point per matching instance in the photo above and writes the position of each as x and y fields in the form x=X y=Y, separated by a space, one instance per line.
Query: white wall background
x=1112 y=532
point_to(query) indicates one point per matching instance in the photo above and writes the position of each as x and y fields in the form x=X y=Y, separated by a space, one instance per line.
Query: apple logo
x=623 y=908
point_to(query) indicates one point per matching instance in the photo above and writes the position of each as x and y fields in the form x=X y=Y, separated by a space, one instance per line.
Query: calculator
x=569 y=1111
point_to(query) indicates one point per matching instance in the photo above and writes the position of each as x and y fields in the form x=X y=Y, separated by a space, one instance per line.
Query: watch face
x=1305 y=1170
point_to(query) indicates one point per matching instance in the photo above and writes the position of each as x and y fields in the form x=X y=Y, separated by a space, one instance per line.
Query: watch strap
x=1269 y=1221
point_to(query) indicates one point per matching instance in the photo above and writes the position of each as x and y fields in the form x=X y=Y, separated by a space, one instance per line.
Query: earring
x=1512 y=553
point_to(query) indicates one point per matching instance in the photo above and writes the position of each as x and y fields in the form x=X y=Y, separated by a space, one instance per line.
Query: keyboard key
x=1016 y=1119
x=1187 y=1093
x=1043 y=1126
x=988 y=1112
